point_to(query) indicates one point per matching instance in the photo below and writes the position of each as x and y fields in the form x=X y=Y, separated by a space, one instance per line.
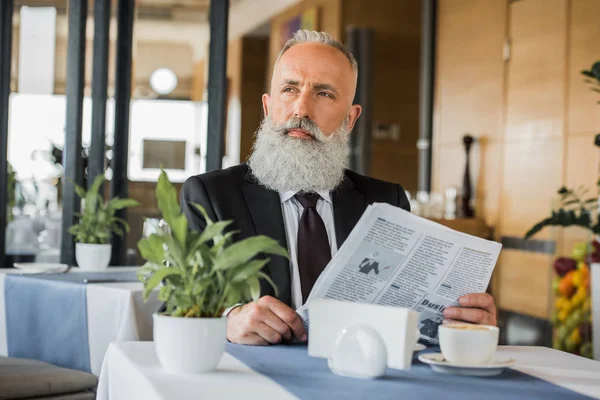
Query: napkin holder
x=396 y=327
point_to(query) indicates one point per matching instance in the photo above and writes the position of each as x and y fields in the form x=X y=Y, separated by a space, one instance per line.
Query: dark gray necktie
x=313 y=244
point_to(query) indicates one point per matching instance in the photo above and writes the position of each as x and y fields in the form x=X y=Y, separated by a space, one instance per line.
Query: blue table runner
x=310 y=378
x=47 y=321
x=46 y=316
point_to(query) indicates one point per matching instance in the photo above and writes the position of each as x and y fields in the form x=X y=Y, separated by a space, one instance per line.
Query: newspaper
x=395 y=258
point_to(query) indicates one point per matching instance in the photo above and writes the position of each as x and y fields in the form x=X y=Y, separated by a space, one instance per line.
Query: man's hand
x=476 y=308
x=263 y=322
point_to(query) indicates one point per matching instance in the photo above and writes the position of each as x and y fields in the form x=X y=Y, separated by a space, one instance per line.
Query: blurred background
x=504 y=74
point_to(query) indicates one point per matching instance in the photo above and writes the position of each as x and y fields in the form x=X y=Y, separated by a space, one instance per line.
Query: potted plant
x=202 y=274
x=95 y=225
x=571 y=283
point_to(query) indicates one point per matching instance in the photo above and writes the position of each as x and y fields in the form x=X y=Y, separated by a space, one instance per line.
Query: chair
x=24 y=379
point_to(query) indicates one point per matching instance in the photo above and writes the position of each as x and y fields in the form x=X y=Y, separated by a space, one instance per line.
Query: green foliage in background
x=98 y=221
x=203 y=273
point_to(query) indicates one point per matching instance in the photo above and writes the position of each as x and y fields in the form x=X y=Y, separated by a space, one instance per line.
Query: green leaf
x=254 y=285
x=539 y=226
x=248 y=270
x=118 y=204
x=241 y=252
x=151 y=249
x=179 y=227
x=174 y=250
x=589 y=74
x=204 y=214
x=157 y=278
x=201 y=286
x=79 y=191
x=147 y=269
x=213 y=230
x=223 y=241
x=268 y=279
x=96 y=184
x=166 y=197
x=92 y=197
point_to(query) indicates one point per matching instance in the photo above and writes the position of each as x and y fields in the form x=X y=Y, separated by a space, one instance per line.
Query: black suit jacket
x=233 y=193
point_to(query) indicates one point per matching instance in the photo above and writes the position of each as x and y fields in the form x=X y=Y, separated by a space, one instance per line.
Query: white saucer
x=419 y=347
x=41 y=268
x=439 y=364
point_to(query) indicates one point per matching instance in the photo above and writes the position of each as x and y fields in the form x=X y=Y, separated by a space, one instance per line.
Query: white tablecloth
x=116 y=312
x=131 y=371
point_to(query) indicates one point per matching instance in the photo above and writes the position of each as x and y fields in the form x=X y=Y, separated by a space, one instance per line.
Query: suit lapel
x=265 y=209
x=348 y=206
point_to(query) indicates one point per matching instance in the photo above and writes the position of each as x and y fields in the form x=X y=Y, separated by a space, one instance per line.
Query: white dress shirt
x=292 y=211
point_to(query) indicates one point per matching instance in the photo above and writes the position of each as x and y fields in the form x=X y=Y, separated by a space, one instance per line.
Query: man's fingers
x=478 y=300
x=473 y=315
x=289 y=316
x=253 y=339
x=273 y=321
x=269 y=334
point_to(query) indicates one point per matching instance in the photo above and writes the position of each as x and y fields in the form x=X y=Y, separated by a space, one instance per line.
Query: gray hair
x=306 y=36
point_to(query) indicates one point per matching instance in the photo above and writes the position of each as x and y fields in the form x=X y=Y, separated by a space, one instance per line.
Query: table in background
x=62 y=320
x=131 y=371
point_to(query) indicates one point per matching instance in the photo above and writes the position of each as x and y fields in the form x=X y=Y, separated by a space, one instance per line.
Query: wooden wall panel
x=584 y=112
x=532 y=175
x=255 y=55
x=536 y=78
x=488 y=159
x=395 y=165
x=396 y=69
x=470 y=69
x=198 y=81
x=547 y=139
x=534 y=148
x=524 y=282
x=469 y=98
x=583 y=162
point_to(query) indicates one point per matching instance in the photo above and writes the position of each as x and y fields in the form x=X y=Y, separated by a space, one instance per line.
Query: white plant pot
x=92 y=257
x=189 y=345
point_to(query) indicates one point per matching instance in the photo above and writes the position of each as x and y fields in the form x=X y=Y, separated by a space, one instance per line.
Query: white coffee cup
x=464 y=344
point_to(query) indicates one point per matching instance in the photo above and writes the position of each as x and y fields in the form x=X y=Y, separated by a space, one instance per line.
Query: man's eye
x=325 y=94
x=287 y=90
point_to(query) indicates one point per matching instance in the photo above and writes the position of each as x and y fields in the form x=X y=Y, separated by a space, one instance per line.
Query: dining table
x=69 y=319
x=132 y=371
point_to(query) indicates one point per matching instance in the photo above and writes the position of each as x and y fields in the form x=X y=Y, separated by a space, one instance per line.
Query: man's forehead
x=316 y=62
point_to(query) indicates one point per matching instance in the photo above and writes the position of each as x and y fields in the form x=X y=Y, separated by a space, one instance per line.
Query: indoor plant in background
x=571 y=284
x=95 y=225
x=202 y=274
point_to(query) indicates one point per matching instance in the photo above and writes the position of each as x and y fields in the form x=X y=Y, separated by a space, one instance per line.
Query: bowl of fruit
x=572 y=314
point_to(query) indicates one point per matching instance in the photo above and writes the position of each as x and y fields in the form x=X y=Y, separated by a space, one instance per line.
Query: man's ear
x=355 y=111
x=266 y=99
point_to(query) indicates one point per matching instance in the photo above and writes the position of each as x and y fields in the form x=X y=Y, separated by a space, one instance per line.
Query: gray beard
x=281 y=162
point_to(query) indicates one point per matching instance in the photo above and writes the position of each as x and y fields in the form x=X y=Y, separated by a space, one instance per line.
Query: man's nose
x=303 y=106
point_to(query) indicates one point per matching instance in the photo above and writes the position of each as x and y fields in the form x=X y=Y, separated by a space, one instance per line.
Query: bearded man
x=296 y=190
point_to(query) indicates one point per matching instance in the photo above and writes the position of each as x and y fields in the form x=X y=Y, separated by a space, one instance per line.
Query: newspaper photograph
x=395 y=258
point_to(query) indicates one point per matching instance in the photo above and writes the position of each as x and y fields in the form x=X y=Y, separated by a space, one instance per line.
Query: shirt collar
x=288 y=194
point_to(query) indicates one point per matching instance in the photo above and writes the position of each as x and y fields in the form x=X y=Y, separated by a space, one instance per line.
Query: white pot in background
x=189 y=345
x=92 y=257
